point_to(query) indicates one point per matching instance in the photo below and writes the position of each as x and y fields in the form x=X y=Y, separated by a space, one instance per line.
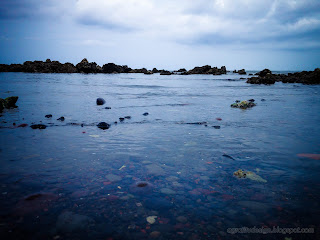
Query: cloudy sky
x=251 y=34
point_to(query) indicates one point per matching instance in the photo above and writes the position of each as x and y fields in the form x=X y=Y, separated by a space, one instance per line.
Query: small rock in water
x=103 y=125
x=155 y=234
x=100 y=101
x=251 y=100
x=182 y=219
x=71 y=222
x=113 y=178
x=107 y=108
x=247 y=174
x=127 y=117
x=237 y=101
x=38 y=126
x=61 y=119
x=216 y=127
x=121 y=119
x=151 y=219
x=167 y=191
x=49 y=116
x=243 y=104
x=145 y=114
x=262 y=100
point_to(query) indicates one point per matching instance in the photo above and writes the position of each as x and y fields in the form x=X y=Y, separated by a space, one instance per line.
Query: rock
x=145 y=114
x=207 y=69
x=251 y=100
x=182 y=70
x=154 y=70
x=107 y=108
x=23 y=125
x=113 y=68
x=103 y=125
x=155 y=234
x=100 y=101
x=113 y=178
x=216 y=127
x=121 y=119
x=263 y=100
x=151 y=219
x=9 y=102
x=158 y=204
x=61 y=119
x=241 y=72
x=127 y=117
x=48 y=116
x=141 y=187
x=182 y=219
x=154 y=169
x=85 y=67
x=165 y=73
x=243 y=105
x=38 y=126
x=247 y=174
x=167 y=191
x=71 y=222
x=148 y=73
x=264 y=72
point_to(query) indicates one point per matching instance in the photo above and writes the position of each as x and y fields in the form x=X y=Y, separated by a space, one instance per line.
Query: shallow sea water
x=157 y=176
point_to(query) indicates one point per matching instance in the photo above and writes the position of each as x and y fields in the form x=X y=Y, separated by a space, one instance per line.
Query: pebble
x=155 y=234
x=167 y=191
x=61 y=119
x=151 y=219
x=113 y=178
x=182 y=219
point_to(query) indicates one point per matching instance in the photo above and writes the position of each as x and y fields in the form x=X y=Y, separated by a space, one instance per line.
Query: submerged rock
x=38 y=126
x=70 y=222
x=100 y=101
x=247 y=174
x=103 y=125
x=141 y=187
x=145 y=114
x=244 y=104
x=61 y=119
x=48 y=116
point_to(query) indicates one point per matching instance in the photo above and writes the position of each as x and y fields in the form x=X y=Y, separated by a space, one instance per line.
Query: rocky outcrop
x=165 y=72
x=141 y=70
x=207 y=69
x=113 y=68
x=241 y=71
x=9 y=102
x=305 y=77
x=88 y=67
x=244 y=104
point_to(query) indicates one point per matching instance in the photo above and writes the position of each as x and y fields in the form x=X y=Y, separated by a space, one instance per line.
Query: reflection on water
x=156 y=176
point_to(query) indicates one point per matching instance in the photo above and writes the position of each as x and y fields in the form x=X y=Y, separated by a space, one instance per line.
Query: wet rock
x=264 y=73
x=165 y=73
x=48 y=116
x=251 y=100
x=127 y=117
x=145 y=114
x=38 y=126
x=243 y=105
x=155 y=234
x=263 y=100
x=216 y=127
x=240 y=72
x=100 y=101
x=141 y=188
x=151 y=219
x=197 y=123
x=61 y=119
x=9 y=102
x=182 y=219
x=88 y=67
x=103 y=125
x=107 y=108
x=113 y=178
x=121 y=119
x=207 y=69
x=154 y=169
x=113 y=68
x=71 y=222
x=247 y=174
x=167 y=191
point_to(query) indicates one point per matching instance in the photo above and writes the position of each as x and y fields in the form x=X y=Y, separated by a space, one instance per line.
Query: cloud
x=204 y=21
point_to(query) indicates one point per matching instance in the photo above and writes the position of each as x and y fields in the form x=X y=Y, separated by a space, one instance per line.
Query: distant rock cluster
x=267 y=77
x=91 y=67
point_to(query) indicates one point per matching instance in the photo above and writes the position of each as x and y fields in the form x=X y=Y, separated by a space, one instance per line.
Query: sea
x=182 y=164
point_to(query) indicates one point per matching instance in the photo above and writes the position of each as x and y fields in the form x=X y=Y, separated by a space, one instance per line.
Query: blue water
x=77 y=182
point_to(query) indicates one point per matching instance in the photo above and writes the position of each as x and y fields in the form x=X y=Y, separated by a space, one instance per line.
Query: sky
x=169 y=34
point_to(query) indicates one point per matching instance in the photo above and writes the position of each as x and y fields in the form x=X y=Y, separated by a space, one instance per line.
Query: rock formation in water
x=9 y=102
x=305 y=77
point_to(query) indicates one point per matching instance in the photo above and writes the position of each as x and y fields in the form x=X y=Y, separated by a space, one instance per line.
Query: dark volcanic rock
x=145 y=114
x=263 y=73
x=49 y=116
x=141 y=70
x=164 y=72
x=207 y=69
x=100 y=101
x=61 y=119
x=103 y=125
x=38 y=126
x=113 y=68
x=9 y=102
x=88 y=67
x=154 y=70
